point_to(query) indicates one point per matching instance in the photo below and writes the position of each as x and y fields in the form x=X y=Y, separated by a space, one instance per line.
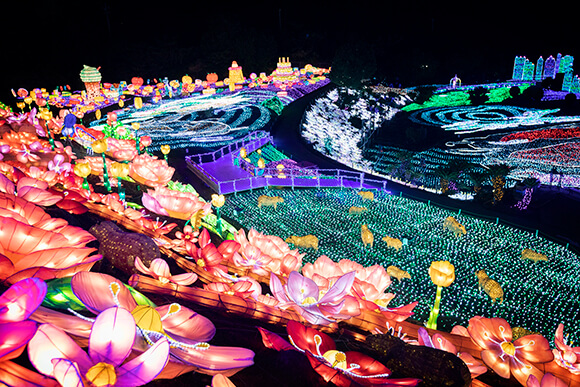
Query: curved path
x=554 y=212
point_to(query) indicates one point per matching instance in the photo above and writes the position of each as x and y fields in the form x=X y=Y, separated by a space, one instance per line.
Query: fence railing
x=251 y=142
x=298 y=178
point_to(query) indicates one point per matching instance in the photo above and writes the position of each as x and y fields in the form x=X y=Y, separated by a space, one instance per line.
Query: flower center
x=508 y=348
x=147 y=318
x=102 y=374
x=336 y=358
x=200 y=262
x=309 y=301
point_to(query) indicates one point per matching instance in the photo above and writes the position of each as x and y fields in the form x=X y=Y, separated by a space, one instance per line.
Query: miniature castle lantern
x=92 y=80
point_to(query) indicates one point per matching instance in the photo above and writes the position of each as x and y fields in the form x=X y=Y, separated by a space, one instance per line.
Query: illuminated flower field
x=537 y=296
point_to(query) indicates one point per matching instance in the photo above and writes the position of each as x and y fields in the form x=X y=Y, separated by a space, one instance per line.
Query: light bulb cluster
x=537 y=295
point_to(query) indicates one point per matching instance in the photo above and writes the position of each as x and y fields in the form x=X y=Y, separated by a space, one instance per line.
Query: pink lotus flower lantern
x=55 y=354
x=176 y=204
x=187 y=331
x=159 y=269
x=337 y=367
x=150 y=171
x=305 y=297
x=49 y=248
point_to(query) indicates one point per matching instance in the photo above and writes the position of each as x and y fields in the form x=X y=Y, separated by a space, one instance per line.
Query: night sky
x=414 y=42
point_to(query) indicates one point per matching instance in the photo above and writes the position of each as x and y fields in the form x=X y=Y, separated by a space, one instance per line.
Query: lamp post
x=100 y=146
x=83 y=170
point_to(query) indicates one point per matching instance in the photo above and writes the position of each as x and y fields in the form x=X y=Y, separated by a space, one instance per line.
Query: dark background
x=45 y=44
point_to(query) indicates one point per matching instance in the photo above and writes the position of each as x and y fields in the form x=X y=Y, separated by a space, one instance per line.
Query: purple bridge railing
x=288 y=177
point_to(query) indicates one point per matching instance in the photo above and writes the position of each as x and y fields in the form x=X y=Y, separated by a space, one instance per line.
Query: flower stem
x=432 y=323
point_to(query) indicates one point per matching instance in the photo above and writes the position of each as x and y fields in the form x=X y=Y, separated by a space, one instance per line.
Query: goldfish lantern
x=442 y=274
x=138 y=102
x=83 y=170
x=98 y=114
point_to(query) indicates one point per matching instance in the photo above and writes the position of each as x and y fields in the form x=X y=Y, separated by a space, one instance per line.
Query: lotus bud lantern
x=442 y=274
x=83 y=170
x=218 y=201
x=120 y=171
x=100 y=146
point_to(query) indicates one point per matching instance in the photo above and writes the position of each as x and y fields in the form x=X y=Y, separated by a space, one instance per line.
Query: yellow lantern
x=28 y=100
x=218 y=200
x=138 y=102
x=442 y=273
x=121 y=103
x=82 y=169
x=186 y=80
x=165 y=149
x=119 y=170
x=135 y=126
x=98 y=114
x=99 y=146
x=243 y=153
x=261 y=163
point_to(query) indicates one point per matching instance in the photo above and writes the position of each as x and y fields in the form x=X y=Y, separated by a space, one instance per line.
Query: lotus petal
x=273 y=341
x=67 y=373
x=6 y=185
x=185 y=324
x=38 y=196
x=534 y=348
x=90 y=288
x=21 y=300
x=58 y=258
x=220 y=380
x=27 y=210
x=13 y=337
x=300 y=287
x=215 y=359
x=306 y=339
x=493 y=360
x=112 y=336
x=50 y=343
x=145 y=367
